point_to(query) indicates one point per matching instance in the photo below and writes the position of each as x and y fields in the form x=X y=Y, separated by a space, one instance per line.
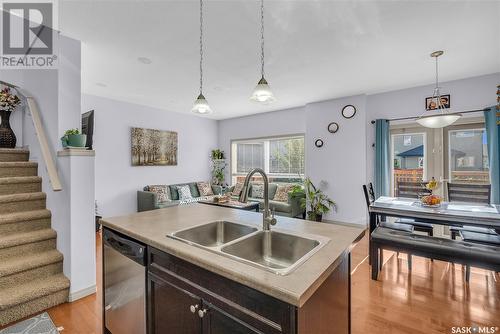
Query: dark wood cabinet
x=172 y=310
x=222 y=306
x=217 y=321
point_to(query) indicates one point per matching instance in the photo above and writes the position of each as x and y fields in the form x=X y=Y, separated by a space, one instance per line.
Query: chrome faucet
x=268 y=218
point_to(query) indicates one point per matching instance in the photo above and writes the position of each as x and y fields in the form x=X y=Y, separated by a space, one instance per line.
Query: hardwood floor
x=430 y=300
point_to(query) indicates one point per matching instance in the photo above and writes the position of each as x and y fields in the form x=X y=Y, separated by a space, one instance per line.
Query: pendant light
x=440 y=119
x=201 y=105
x=262 y=93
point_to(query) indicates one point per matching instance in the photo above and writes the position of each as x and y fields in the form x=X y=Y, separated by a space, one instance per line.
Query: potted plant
x=218 y=166
x=316 y=202
x=8 y=103
x=73 y=138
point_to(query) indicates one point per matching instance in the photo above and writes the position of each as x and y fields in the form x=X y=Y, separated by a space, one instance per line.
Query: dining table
x=446 y=213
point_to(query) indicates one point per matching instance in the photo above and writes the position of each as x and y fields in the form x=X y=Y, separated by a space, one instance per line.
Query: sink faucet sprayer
x=268 y=218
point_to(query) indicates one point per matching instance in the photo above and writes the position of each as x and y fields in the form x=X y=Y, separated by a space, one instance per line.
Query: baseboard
x=82 y=293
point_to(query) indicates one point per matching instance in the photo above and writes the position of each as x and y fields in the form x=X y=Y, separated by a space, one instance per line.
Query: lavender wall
x=116 y=180
x=466 y=94
x=346 y=160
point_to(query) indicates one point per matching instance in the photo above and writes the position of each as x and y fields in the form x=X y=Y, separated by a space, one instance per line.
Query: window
x=408 y=156
x=281 y=158
x=467 y=155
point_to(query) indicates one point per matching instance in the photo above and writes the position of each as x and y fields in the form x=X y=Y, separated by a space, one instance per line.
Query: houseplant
x=218 y=166
x=73 y=138
x=316 y=201
x=8 y=103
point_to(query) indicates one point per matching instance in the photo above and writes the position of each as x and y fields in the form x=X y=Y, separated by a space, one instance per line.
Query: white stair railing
x=48 y=158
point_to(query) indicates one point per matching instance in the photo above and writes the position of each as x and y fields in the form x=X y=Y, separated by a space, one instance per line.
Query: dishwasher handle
x=125 y=246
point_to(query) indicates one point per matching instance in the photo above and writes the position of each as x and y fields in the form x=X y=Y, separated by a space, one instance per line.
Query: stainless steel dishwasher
x=124 y=284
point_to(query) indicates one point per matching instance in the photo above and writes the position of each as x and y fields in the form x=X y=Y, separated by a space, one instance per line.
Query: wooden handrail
x=42 y=137
x=44 y=145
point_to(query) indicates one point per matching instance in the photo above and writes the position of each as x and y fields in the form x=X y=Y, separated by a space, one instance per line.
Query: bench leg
x=375 y=257
x=467 y=273
x=381 y=259
x=453 y=235
x=409 y=262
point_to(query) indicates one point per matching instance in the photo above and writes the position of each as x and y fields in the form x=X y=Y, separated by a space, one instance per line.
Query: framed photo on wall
x=430 y=102
x=151 y=147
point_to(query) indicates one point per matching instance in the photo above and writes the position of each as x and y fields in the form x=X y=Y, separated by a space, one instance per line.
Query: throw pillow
x=184 y=192
x=237 y=189
x=205 y=189
x=162 y=192
x=257 y=190
x=281 y=194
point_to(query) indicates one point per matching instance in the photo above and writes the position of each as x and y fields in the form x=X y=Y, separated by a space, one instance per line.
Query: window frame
x=233 y=156
x=478 y=125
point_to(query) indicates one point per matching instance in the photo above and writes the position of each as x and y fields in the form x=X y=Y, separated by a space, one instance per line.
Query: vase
x=7 y=136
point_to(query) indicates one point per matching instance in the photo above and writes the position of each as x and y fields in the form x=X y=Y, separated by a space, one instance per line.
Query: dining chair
x=476 y=193
x=414 y=190
x=370 y=198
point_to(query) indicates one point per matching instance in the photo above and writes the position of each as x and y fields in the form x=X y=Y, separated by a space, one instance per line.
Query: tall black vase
x=7 y=136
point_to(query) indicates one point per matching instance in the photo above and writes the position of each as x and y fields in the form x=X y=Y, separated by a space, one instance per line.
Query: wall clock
x=333 y=127
x=349 y=111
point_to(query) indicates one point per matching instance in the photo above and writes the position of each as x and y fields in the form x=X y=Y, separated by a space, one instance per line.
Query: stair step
x=19 y=168
x=20 y=270
x=20 y=184
x=25 y=221
x=22 y=202
x=31 y=291
x=27 y=243
x=14 y=154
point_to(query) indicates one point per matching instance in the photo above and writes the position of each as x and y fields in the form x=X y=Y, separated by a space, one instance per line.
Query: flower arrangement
x=8 y=101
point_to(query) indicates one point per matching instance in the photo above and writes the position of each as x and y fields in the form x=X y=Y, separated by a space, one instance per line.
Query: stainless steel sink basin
x=274 y=251
x=214 y=234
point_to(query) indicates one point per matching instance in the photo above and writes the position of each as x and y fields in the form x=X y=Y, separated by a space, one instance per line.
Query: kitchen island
x=192 y=289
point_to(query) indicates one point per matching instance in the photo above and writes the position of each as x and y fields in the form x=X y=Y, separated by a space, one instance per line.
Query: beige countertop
x=152 y=228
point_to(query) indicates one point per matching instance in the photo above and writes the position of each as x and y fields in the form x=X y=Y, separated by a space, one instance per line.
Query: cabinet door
x=216 y=321
x=170 y=309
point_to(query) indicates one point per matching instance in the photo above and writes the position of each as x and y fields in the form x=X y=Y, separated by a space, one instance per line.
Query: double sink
x=276 y=251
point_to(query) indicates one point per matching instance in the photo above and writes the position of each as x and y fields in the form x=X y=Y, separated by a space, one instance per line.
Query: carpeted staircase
x=31 y=268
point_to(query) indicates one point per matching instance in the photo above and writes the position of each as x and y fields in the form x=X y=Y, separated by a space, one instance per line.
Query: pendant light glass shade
x=201 y=106
x=262 y=93
x=438 y=117
x=438 y=121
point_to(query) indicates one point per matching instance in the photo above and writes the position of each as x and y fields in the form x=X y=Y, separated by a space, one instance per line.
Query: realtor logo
x=28 y=35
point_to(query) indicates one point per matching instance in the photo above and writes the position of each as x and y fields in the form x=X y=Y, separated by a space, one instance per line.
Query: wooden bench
x=461 y=252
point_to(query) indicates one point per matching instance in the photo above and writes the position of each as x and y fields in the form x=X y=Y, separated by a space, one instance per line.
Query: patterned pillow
x=257 y=190
x=184 y=192
x=281 y=194
x=205 y=189
x=162 y=193
x=237 y=189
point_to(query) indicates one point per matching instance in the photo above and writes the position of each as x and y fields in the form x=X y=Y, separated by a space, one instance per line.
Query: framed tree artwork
x=151 y=147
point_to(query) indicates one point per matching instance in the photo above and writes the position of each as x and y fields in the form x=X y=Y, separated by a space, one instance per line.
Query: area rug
x=40 y=324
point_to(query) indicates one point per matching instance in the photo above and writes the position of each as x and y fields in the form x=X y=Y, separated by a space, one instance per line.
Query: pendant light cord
x=262 y=37
x=437 y=93
x=201 y=47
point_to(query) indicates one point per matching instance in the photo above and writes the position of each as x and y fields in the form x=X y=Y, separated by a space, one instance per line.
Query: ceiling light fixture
x=441 y=118
x=262 y=93
x=201 y=105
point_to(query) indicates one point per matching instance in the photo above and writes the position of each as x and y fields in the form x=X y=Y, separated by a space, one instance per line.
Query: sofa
x=148 y=200
x=291 y=208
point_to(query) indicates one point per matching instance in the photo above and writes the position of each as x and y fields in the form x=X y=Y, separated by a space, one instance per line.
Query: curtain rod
x=416 y=117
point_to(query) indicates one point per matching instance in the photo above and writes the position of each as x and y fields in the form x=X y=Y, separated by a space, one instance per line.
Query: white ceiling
x=315 y=50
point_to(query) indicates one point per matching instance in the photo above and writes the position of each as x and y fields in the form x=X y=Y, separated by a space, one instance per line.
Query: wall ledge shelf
x=71 y=152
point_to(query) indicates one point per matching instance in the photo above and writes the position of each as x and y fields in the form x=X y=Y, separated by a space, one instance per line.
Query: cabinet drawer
x=266 y=314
